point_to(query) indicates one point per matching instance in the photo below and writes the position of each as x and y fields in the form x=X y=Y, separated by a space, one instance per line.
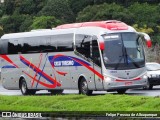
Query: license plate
x=128 y=83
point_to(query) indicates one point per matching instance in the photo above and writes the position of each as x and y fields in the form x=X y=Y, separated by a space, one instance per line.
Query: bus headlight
x=145 y=76
x=108 y=79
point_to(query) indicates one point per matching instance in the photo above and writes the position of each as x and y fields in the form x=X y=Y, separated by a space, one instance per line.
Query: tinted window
x=13 y=46
x=64 y=42
x=95 y=53
x=31 y=45
x=3 y=46
x=83 y=45
x=37 y=44
x=123 y=51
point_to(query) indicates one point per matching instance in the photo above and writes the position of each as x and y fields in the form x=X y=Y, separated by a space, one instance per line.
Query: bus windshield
x=123 y=51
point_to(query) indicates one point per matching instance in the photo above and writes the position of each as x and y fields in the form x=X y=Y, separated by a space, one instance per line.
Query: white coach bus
x=89 y=56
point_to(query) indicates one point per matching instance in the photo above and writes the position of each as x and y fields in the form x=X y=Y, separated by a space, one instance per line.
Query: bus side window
x=13 y=46
x=30 y=45
x=51 y=44
x=95 y=53
x=4 y=46
x=83 y=45
x=37 y=45
x=64 y=42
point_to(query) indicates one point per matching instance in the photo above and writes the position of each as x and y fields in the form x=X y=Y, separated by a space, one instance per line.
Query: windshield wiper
x=124 y=55
x=126 y=60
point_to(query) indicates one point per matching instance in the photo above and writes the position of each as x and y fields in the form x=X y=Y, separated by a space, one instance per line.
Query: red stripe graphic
x=38 y=68
x=61 y=73
x=40 y=71
x=42 y=83
x=91 y=69
x=85 y=65
x=5 y=57
x=128 y=80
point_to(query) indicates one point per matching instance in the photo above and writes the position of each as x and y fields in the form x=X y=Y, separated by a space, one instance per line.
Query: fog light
x=108 y=79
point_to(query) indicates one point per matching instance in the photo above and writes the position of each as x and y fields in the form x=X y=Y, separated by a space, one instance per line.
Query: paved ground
x=154 y=92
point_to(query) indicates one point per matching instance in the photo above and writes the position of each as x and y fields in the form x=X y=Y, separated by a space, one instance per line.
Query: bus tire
x=150 y=87
x=23 y=87
x=83 y=88
x=121 y=91
x=56 y=92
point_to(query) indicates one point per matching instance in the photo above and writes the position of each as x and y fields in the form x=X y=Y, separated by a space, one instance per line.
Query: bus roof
x=110 y=25
x=35 y=33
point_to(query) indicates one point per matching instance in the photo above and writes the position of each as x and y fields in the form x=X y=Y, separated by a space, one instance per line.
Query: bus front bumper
x=117 y=85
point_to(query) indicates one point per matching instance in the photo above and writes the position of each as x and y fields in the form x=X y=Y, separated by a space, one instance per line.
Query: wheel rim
x=24 y=87
x=84 y=87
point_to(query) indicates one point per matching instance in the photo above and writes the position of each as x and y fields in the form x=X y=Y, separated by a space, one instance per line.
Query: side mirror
x=147 y=39
x=101 y=45
x=149 y=44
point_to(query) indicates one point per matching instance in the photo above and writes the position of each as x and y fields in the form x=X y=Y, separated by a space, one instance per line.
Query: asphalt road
x=154 y=92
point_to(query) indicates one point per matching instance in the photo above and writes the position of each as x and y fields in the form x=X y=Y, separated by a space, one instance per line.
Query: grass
x=107 y=102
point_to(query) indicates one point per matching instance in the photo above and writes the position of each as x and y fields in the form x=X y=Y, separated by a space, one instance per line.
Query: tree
x=144 y=14
x=25 y=26
x=143 y=29
x=12 y=23
x=9 y=7
x=78 y=5
x=31 y=7
x=1 y=31
x=43 y=22
x=105 y=12
x=58 y=8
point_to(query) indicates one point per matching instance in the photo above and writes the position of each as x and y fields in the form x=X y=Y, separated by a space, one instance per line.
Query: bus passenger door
x=96 y=64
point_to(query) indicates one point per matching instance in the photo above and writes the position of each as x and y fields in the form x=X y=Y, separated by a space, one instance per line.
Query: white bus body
x=104 y=55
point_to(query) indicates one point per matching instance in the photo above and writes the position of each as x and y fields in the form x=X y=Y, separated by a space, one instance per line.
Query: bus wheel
x=23 y=87
x=56 y=92
x=122 y=91
x=83 y=88
x=150 y=87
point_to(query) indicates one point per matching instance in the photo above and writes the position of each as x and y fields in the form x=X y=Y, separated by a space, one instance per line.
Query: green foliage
x=45 y=22
x=12 y=23
x=105 y=12
x=9 y=7
x=156 y=39
x=23 y=15
x=158 y=28
x=1 y=31
x=22 y=6
x=31 y=6
x=79 y=5
x=25 y=26
x=144 y=14
x=143 y=29
x=58 y=8
x=72 y=103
